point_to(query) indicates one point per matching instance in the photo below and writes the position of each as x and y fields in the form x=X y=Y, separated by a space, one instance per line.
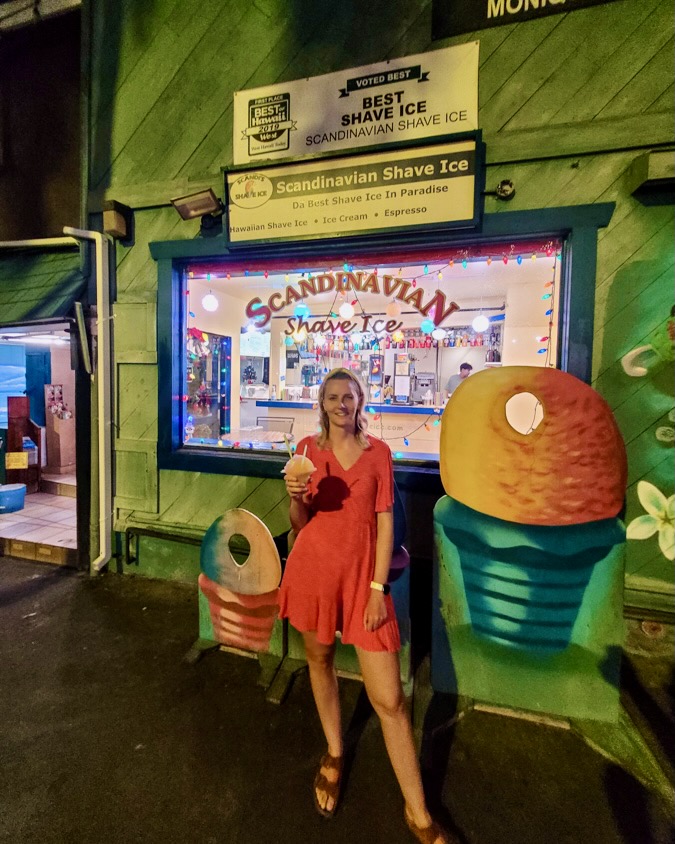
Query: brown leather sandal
x=429 y=834
x=332 y=789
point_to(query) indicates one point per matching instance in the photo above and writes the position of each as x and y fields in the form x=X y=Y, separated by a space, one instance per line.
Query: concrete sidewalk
x=106 y=735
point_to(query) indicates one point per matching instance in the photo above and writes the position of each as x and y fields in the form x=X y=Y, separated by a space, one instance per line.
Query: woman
x=336 y=580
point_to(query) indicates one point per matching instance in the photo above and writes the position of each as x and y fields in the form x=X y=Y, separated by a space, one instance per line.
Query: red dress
x=326 y=584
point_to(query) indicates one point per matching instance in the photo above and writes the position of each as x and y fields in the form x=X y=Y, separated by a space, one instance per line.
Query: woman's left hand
x=376 y=611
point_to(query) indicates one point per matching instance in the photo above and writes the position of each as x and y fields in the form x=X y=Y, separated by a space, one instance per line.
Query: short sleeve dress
x=326 y=583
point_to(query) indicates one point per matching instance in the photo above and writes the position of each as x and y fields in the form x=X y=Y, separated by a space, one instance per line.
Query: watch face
x=386 y=589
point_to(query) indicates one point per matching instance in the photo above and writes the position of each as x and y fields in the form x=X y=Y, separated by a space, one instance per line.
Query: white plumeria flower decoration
x=660 y=517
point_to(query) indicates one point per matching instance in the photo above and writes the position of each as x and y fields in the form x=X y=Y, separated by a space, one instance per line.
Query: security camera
x=505 y=189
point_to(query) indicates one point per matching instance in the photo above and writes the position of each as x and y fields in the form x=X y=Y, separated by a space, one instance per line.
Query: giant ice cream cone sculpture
x=242 y=597
x=530 y=514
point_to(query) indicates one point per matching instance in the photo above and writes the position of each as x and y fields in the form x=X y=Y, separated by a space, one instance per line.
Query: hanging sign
x=415 y=97
x=454 y=17
x=348 y=196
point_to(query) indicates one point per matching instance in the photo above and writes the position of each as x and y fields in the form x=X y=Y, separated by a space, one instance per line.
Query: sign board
x=416 y=97
x=454 y=17
x=16 y=460
x=356 y=195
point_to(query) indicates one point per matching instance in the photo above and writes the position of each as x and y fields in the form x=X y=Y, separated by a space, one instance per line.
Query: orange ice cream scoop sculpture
x=570 y=470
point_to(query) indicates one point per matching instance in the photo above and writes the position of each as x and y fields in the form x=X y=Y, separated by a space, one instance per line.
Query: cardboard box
x=60 y=444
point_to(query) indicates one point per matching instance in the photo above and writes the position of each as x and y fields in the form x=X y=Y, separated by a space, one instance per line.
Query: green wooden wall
x=568 y=104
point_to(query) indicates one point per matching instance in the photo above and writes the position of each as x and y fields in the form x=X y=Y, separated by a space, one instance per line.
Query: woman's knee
x=318 y=655
x=388 y=706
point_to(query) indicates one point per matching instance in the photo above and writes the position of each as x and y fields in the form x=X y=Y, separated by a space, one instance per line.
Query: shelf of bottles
x=343 y=346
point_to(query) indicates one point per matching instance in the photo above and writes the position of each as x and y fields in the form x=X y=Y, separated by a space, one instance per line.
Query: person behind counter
x=336 y=579
x=455 y=380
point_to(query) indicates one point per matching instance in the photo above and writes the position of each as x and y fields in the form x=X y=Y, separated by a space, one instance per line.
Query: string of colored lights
x=464 y=256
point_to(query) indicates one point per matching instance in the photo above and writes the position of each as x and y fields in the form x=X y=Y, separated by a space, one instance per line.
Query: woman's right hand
x=297 y=491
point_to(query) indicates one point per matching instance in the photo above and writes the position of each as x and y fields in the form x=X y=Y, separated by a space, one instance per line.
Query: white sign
x=363 y=193
x=415 y=97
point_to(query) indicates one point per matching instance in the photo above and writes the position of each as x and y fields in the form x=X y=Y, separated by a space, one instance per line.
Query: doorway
x=38 y=435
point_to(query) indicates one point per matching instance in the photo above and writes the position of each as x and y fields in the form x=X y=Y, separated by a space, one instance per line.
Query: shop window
x=257 y=340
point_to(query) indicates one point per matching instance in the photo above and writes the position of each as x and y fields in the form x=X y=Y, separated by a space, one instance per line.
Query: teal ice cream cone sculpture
x=524 y=584
x=528 y=581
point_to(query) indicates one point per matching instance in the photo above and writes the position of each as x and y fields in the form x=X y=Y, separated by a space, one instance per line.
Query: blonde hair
x=361 y=422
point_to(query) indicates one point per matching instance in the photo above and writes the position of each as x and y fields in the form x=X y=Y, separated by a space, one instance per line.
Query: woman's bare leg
x=325 y=690
x=381 y=676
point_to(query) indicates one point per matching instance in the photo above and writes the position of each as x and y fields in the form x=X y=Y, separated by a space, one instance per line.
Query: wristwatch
x=381 y=587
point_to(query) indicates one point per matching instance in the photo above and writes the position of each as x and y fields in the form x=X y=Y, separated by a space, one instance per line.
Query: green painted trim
x=168 y=361
x=577 y=302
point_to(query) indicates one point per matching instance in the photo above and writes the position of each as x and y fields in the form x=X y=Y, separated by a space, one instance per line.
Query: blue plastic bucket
x=12 y=497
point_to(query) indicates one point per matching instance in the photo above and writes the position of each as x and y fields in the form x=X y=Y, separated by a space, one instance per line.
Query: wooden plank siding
x=567 y=104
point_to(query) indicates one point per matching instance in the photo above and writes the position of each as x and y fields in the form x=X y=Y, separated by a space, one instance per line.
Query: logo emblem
x=251 y=190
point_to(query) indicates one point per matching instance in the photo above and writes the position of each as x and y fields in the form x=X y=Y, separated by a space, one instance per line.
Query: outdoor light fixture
x=198 y=204
x=117 y=219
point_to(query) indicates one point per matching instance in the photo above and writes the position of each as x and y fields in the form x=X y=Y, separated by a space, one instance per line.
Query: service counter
x=394 y=423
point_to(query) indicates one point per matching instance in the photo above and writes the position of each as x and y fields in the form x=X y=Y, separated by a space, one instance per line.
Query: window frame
x=577 y=227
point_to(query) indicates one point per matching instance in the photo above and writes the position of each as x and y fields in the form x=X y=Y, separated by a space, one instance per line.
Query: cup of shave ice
x=300 y=467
